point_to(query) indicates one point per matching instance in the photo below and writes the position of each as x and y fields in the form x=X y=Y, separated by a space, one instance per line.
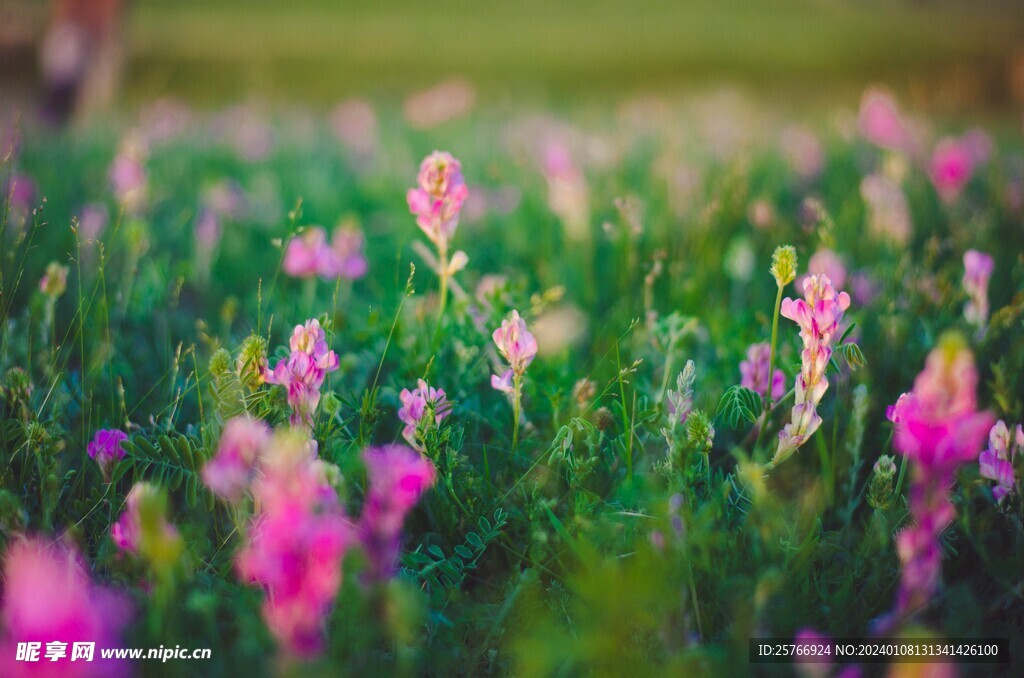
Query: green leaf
x=739 y=404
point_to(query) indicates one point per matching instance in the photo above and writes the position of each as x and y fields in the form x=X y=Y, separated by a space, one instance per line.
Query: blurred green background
x=315 y=51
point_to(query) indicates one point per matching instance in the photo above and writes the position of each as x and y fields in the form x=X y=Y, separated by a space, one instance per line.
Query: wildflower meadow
x=452 y=388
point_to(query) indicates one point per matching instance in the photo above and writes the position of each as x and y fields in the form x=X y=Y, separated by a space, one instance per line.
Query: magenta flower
x=996 y=462
x=304 y=371
x=416 y=403
x=754 y=372
x=818 y=316
x=50 y=597
x=515 y=343
x=397 y=476
x=295 y=545
x=978 y=268
x=131 y=529
x=950 y=167
x=231 y=471
x=438 y=199
x=881 y=123
x=106 y=449
x=306 y=254
x=938 y=427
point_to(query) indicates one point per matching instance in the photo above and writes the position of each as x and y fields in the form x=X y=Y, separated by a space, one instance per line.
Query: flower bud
x=784 y=265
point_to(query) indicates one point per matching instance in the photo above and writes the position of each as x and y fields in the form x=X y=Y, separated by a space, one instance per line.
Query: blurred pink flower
x=417 y=403
x=106 y=449
x=20 y=194
x=881 y=123
x=92 y=219
x=305 y=254
x=346 y=258
x=128 y=532
x=438 y=198
x=803 y=151
x=818 y=316
x=128 y=177
x=230 y=472
x=515 y=343
x=938 y=427
x=978 y=268
x=49 y=597
x=827 y=263
x=568 y=195
x=888 y=210
x=354 y=122
x=754 y=372
x=950 y=167
x=447 y=101
x=397 y=477
x=55 y=281
x=295 y=545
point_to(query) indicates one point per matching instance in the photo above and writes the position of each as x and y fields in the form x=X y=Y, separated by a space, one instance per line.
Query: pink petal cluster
x=517 y=346
x=438 y=198
x=231 y=471
x=754 y=372
x=304 y=371
x=951 y=166
x=106 y=448
x=128 y=530
x=310 y=255
x=818 y=314
x=881 y=123
x=996 y=462
x=50 y=597
x=938 y=427
x=398 y=476
x=416 y=403
x=295 y=545
x=828 y=263
x=978 y=268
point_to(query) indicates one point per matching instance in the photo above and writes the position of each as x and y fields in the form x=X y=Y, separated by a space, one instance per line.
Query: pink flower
x=950 y=168
x=503 y=383
x=354 y=122
x=438 y=199
x=92 y=219
x=295 y=545
x=304 y=371
x=417 y=403
x=888 y=210
x=938 y=427
x=231 y=471
x=568 y=195
x=754 y=372
x=398 y=476
x=827 y=263
x=818 y=316
x=305 y=254
x=880 y=121
x=106 y=449
x=128 y=175
x=978 y=268
x=802 y=151
x=345 y=258
x=131 y=530
x=49 y=597
x=20 y=194
x=996 y=462
x=515 y=343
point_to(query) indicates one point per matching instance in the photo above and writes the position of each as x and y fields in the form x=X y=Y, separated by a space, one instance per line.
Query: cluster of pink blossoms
x=938 y=427
x=232 y=469
x=416 y=403
x=295 y=545
x=954 y=160
x=881 y=122
x=398 y=477
x=754 y=372
x=818 y=316
x=304 y=371
x=996 y=462
x=438 y=197
x=978 y=268
x=49 y=597
x=518 y=347
x=106 y=449
x=310 y=255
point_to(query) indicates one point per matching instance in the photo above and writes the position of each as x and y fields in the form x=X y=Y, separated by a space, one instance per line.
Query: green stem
x=517 y=394
x=693 y=597
x=442 y=256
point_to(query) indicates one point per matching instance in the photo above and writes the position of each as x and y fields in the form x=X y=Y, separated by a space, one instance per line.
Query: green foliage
x=737 y=405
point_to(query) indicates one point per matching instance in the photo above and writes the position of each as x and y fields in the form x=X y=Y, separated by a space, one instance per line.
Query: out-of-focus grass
x=318 y=50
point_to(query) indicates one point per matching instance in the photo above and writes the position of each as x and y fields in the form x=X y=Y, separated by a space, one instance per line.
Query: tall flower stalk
x=518 y=347
x=437 y=201
x=818 y=314
x=938 y=427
